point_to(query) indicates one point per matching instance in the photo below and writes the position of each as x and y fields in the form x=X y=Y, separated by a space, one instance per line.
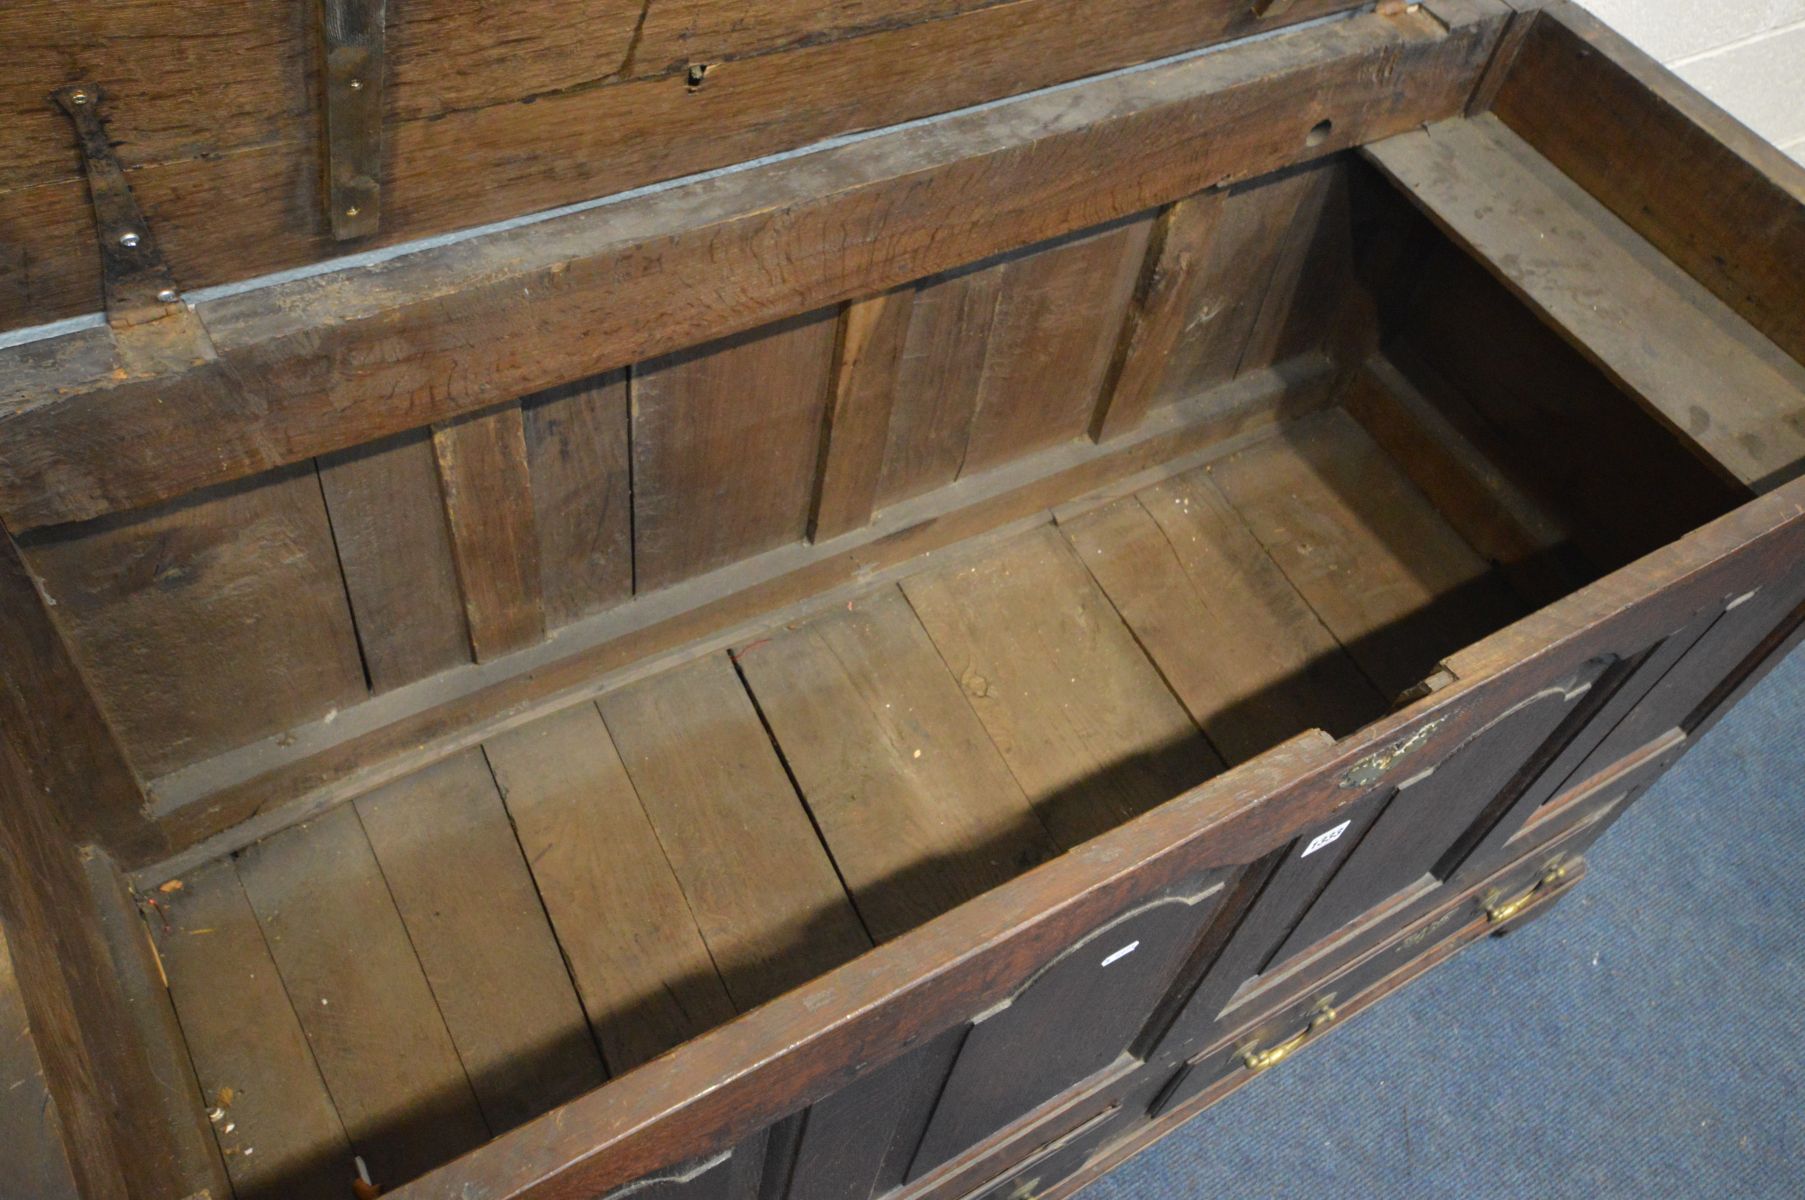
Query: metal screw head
x=128 y=240
x=352 y=211
x=79 y=96
x=357 y=85
x=167 y=296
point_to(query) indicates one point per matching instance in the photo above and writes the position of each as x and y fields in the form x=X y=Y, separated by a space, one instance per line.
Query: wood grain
x=489 y=505
x=725 y=443
x=1687 y=357
x=249 y=1051
x=492 y=115
x=1683 y=173
x=576 y=453
x=36 y=1163
x=361 y=997
x=1079 y=714
x=867 y=349
x=638 y=960
x=1375 y=561
x=594 y=290
x=1244 y=652
x=1058 y=313
x=207 y=623
x=759 y=882
x=455 y=871
x=937 y=381
x=388 y=524
x=917 y=807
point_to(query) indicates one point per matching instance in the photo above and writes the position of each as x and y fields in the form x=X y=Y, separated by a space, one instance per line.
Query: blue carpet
x=1646 y=1038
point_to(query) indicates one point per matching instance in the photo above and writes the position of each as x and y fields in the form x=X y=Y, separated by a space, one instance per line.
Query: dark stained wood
x=1309 y=300
x=638 y=960
x=759 y=882
x=937 y=381
x=1050 y=340
x=1429 y=816
x=50 y=714
x=1230 y=635
x=495 y=115
x=655 y=274
x=1682 y=172
x=1081 y=717
x=1684 y=355
x=725 y=443
x=867 y=349
x=388 y=524
x=1380 y=567
x=576 y=453
x=207 y=623
x=36 y=1163
x=1498 y=518
x=252 y=1058
x=917 y=807
x=1077 y=1014
x=239 y=798
x=361 y=997
x=845 y=1140
x=448 y=854
x=484 y=476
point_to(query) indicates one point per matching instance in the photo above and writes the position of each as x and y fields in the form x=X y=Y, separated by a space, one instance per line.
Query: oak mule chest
x=873 y=600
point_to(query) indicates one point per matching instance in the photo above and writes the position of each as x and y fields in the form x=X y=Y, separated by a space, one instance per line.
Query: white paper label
x=1325 y=839
x=1123 y=953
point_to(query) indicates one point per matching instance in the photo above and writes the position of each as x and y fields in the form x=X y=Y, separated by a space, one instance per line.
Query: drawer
x=1509 y=897
x=1056 y=1160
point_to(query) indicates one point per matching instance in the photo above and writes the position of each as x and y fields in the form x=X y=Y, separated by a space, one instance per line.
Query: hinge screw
x=128 y=240
x=352 y=211
x=79 y=97
x=357 y=85
x=167 y=296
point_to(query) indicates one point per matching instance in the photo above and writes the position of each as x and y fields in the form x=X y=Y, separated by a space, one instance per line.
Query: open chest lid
x=263 y=136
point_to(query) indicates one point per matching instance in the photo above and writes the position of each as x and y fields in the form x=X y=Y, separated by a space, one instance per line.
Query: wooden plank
x=361 y=997
x=725 y=443
x=489 y=505
x=1057 y=317
x=455 y=871
x=1240 y=648
x=917 y=807
x=1375 y=561
x=1498 y=518
x=49 y=713
x=1707 y=375
x=1312 y=300
x=477 y=129
x=654 y=274
x=868 y=347
x=238 y=798
x=759 y=882
x=388 y=523
x=1218 y=259
x=1080 y=715
x=36 y=1163
x=207 y=623
x=1431 y=816
x=1684 y=174
x=639 y=961
x=252 y=1058
x=576 y=453
x=937 y=381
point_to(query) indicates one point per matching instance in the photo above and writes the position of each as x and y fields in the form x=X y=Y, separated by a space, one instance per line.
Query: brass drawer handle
x=1258 y=1060
x=1498 y=912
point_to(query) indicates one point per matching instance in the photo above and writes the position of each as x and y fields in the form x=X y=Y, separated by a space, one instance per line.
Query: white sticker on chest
x=1121 y=954
x=1326 y=838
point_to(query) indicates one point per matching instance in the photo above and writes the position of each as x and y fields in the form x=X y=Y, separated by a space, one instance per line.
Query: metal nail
x=128 y=240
